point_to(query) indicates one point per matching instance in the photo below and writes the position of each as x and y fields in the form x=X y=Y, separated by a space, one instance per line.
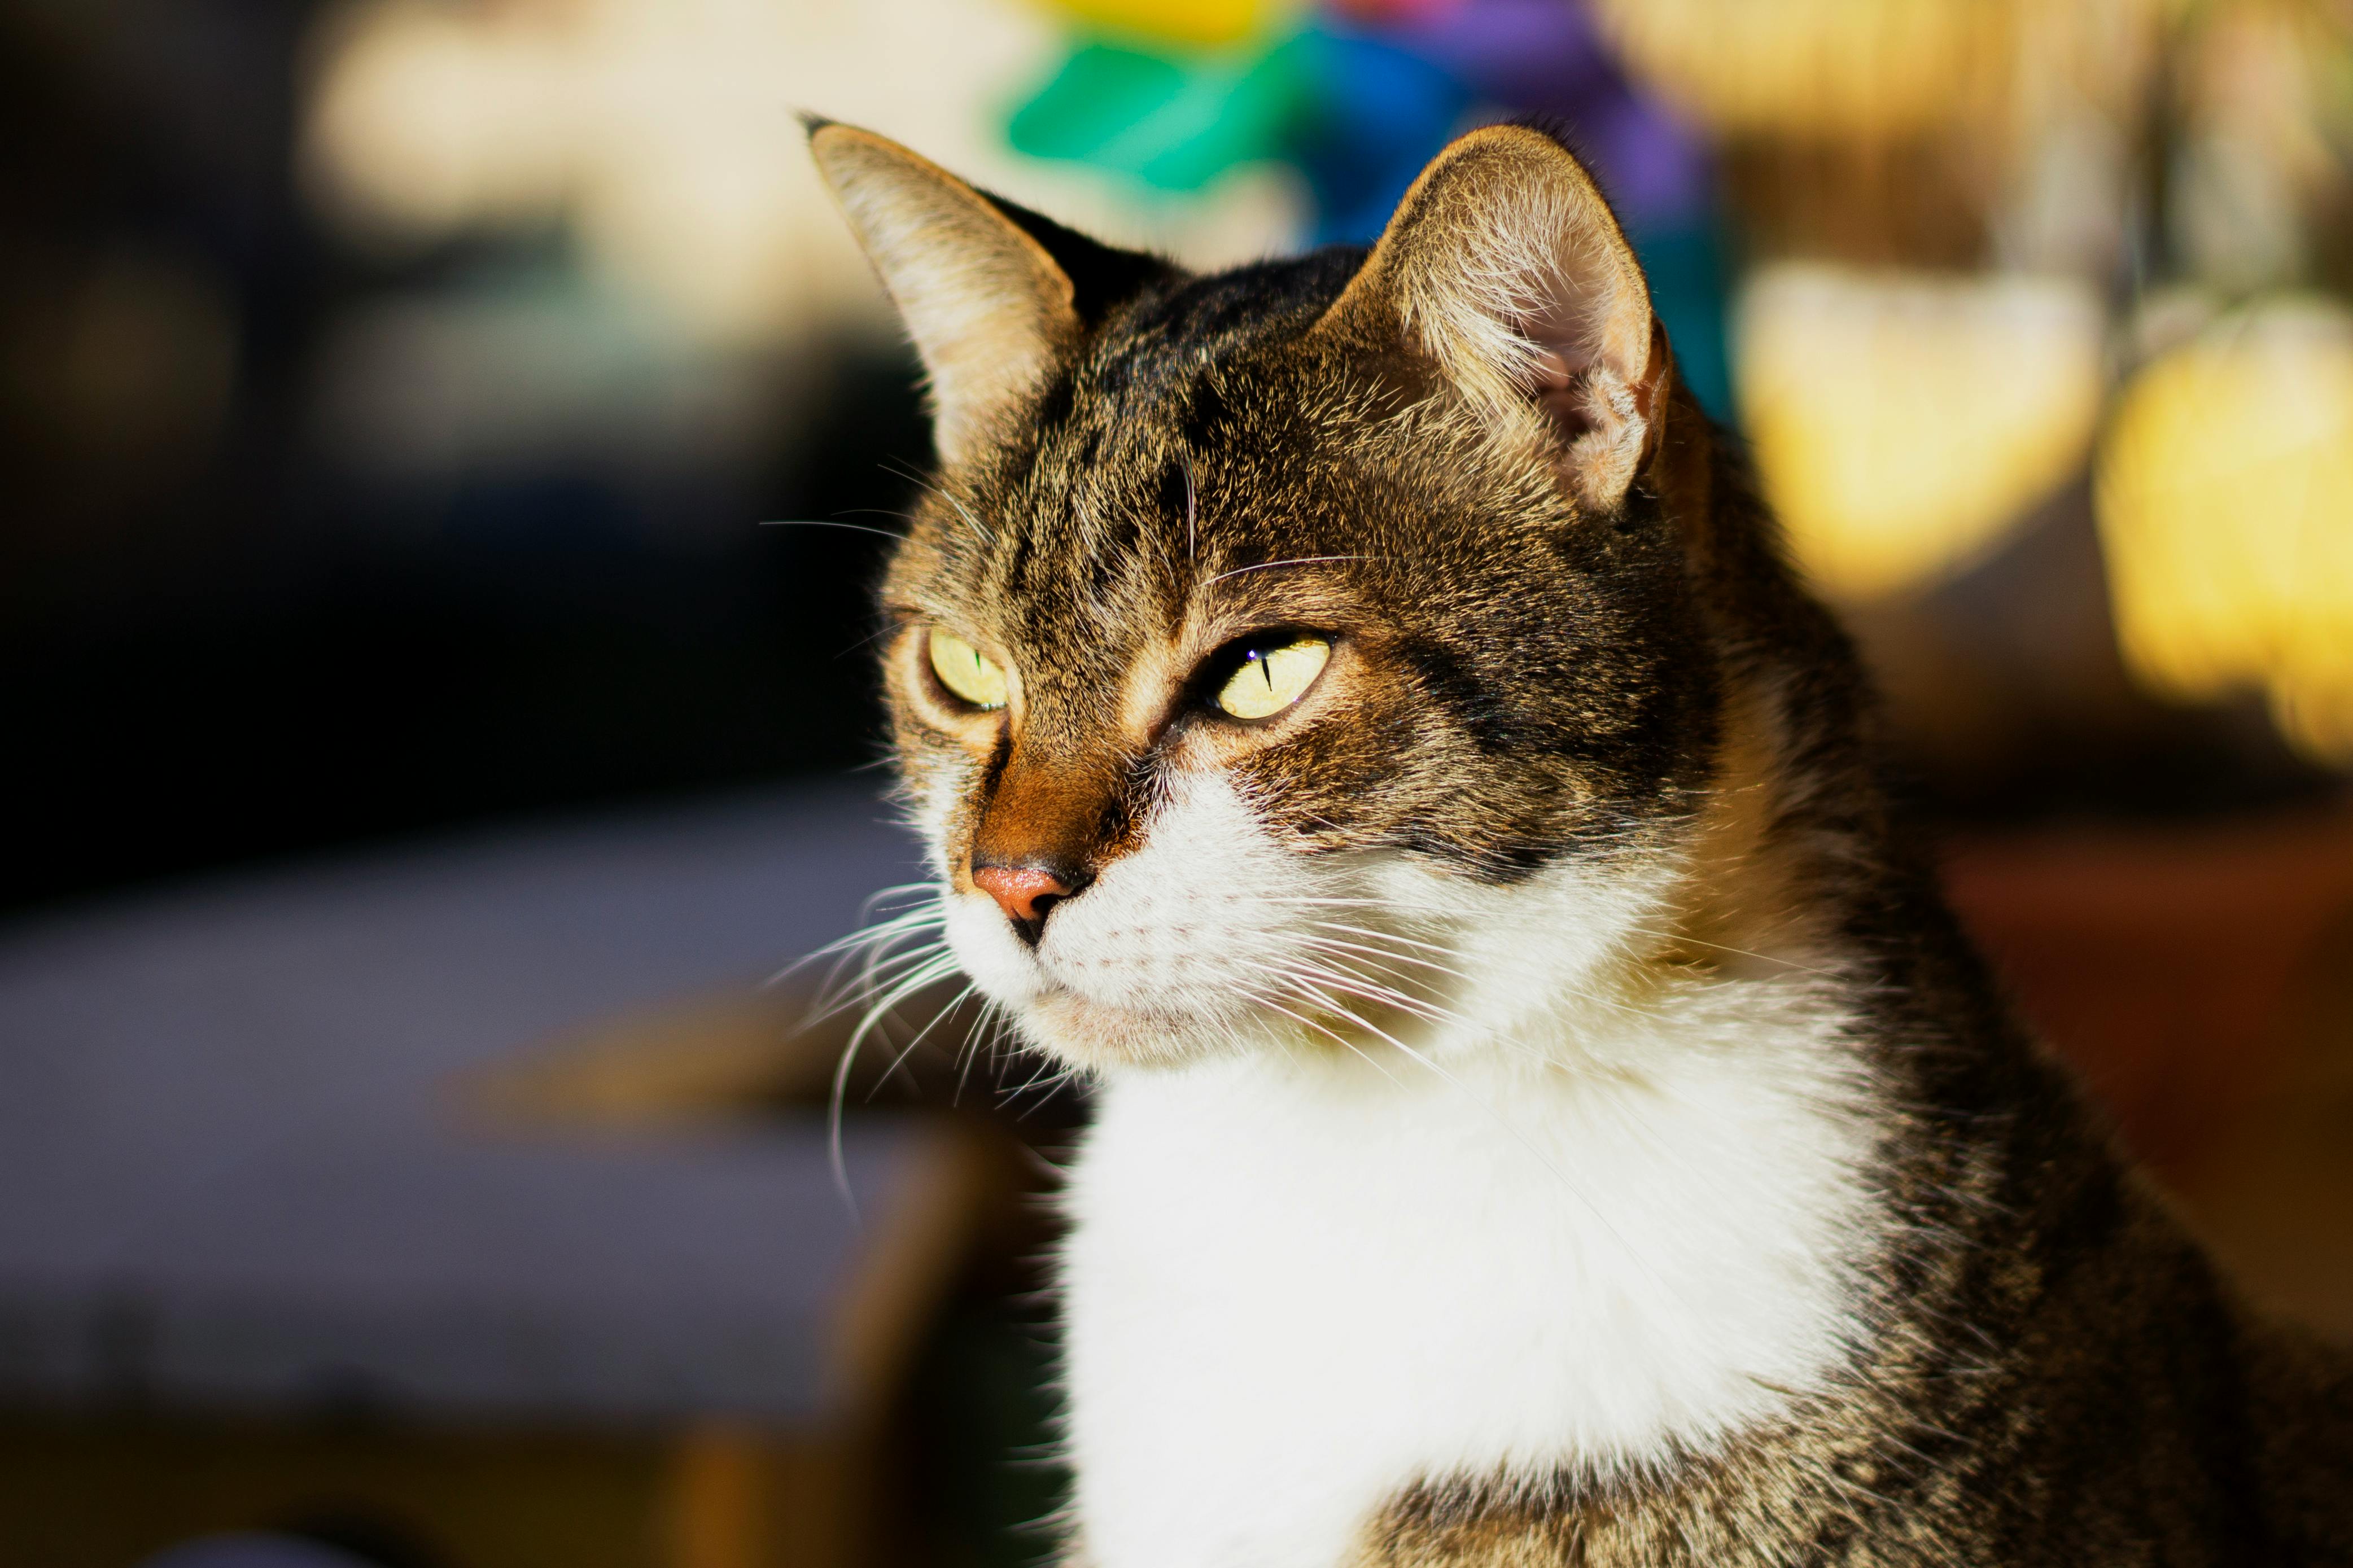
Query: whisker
x=1334 y=899
x=1294 y=561
x=1360 y=987
x=1741 y=951
x=877 y=939
x=1053 y=1082
x=990 y=1022
x=868 y=934
x=900 y=1060
x=922 y=483
x=894 y=958
x=1582 y=993
x=1261 y=999
x=1192 y=499
x=1465 y=976
x=880 y=969
x=1371 y=990
x=1385 y=936
x=939 y=969
x=1375 y=951
x=828 y=522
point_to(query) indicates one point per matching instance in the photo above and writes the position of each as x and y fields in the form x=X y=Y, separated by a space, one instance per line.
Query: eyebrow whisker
x=1192 y=504
x=1294 y=561
x=828 y=522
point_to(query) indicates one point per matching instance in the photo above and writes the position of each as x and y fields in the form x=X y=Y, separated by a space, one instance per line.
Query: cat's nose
x=1027 y=894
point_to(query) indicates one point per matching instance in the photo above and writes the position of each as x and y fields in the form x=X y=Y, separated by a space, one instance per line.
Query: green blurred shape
x=1176 y=122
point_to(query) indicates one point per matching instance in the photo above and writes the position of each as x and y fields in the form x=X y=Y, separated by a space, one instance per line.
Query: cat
x=1361 y=717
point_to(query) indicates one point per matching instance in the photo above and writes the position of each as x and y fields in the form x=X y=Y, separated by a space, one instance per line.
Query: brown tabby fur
x=2052 y=1372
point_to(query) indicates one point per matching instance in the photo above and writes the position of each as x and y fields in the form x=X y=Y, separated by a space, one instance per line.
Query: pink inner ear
x=1606 y=419
x=1564 y=392
x=1584 y=351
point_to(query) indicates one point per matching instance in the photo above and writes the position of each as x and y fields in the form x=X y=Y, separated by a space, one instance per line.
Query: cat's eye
x=968 y=672
x=1271 y=678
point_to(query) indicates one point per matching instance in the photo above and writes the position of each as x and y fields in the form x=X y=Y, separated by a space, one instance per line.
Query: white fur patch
x=1291 y=1294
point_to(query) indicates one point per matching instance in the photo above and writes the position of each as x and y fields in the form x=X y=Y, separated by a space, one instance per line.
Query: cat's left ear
x=1505 y=265
x=992 y=294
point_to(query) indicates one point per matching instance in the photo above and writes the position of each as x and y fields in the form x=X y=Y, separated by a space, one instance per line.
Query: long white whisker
x=1384 y=957
x=1300 y=965
x=947 y=1007
x=1742 y=952
x=1332 y=972
x=870 y=931
x=1263 y=1000
x=877 y=950
x=872 y=979
x=828 y=522
x=968 y=1052
x=939 y=969
x=1581 y=993
x=965 y=511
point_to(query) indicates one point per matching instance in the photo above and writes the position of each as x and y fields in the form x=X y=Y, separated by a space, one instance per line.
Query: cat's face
x=1261 y=680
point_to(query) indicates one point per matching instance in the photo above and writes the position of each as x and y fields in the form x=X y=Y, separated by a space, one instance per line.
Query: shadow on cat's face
x=1265 y=674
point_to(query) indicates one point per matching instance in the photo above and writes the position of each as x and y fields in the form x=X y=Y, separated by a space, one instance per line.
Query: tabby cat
x=1361 y=717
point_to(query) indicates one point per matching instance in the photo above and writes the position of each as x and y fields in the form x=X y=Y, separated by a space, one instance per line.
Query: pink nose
x=1025 y=894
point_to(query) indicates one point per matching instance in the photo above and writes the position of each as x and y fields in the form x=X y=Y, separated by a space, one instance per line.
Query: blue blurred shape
x=1376 y=113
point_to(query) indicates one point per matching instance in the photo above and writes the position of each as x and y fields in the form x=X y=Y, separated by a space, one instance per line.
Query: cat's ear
x=1505 y=265
x=993 y=294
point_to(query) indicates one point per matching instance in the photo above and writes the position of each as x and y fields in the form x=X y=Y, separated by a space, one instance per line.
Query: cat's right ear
x=989 y=310
x=992 y=294
x=1506 y=266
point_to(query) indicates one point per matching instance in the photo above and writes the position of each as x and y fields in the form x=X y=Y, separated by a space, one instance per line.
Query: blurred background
x=447 y=447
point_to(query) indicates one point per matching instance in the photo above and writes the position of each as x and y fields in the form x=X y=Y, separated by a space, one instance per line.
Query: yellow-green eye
x=965 y=671
x=1272 y=678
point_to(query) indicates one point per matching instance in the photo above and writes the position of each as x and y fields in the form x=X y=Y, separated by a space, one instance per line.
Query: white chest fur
x=1292 y=1290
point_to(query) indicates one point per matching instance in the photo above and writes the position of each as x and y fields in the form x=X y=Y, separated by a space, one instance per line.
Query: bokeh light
x=1901 y=424
x=2226 y=510
x=1821 y=66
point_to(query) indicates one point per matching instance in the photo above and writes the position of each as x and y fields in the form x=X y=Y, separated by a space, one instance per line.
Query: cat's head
x=1300 y=658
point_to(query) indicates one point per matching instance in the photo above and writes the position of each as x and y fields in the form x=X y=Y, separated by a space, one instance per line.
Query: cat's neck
x=1296 y=1284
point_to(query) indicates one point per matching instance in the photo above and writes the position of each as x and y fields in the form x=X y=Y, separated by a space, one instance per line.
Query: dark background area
x=222 y=646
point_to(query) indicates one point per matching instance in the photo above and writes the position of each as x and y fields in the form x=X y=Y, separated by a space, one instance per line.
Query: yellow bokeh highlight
x=1904 y=424
x=1885 y=71
x=1841 y=68
x=1204 y=23
x=2226 y=511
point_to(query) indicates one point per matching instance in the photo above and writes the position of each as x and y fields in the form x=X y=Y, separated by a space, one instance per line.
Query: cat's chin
x=1096 y=1036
